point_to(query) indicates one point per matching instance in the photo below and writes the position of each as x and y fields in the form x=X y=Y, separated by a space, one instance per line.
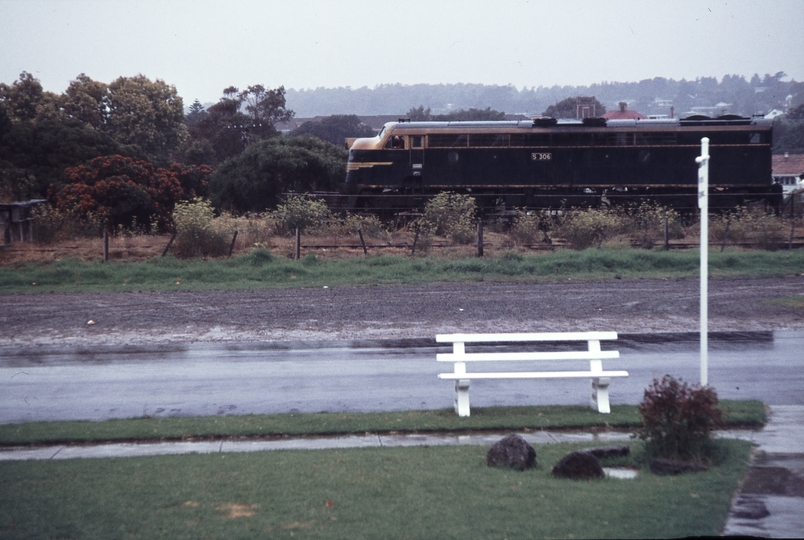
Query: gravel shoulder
x=393 y=312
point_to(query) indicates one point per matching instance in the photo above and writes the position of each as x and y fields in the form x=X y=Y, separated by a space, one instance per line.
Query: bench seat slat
x=533 y=375
x=504 y=357
x=534 y=336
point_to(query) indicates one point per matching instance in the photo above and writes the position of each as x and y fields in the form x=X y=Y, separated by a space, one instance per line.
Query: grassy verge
x=421 y=492
x=261 y=270
x=738 y=413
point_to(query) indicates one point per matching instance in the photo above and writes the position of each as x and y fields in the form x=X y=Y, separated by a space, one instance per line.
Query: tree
x=788 y=136
x=566 y=108
x=223 y=131
x=335 y=129
x=796 y=113
x=40 y=135
x=421 y=114
x=219 y=135
x=256 y=179
x=147 y=115
x=25 y=100
x=88 y=101
x=266 y=107
x=471 y=115
x=196 y=113
x=43 y=149
x=129 y=193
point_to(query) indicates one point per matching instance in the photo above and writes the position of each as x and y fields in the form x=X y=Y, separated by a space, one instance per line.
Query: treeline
x=123 y=154
x=759 y=94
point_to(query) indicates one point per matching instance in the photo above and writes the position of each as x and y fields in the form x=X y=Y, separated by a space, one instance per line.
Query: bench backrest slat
x=503 y=357
x=534 y=336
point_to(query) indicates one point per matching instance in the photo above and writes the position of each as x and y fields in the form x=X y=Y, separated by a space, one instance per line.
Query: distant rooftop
x=623 y=113
x=788 y=165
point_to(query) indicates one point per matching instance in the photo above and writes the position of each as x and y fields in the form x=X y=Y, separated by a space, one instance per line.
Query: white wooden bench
x=595 y=356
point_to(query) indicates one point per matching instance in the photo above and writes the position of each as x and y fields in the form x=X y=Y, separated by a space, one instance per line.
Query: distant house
x=623 y=113
x=788 y=169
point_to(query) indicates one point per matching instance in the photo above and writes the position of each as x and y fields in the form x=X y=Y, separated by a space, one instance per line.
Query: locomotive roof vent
x=544 y=121
x=726 y=120
x=594 y=122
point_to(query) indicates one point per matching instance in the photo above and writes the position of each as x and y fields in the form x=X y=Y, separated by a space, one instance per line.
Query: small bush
x=450 y=214
x=51 y=225
x=527 y=229
x=259 y=256
x=371 y=226
x=769 y=232
x=644 y=223
x=196 y=234
x=677 y=419
x=303 y=212
x=746 y=225
x=585 y=228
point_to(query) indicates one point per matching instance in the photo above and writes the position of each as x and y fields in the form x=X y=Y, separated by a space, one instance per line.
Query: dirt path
x=393 y=311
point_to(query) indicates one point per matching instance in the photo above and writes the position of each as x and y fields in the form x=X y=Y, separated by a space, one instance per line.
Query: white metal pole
x=703 y=204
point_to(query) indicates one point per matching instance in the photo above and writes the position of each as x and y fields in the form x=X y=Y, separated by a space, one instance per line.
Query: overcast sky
x=204 y=46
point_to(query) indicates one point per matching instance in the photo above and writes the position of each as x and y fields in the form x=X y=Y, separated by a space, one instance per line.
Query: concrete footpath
x=769 y=504
x=771 y=500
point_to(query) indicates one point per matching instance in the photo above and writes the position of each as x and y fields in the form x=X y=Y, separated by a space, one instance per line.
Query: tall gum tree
x=148 y=115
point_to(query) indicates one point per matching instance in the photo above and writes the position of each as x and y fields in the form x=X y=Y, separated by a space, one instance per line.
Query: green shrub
x=677 y=419
x=301 y=212
x=196 y=234
x=51 y=225
x=585 y=228
x=370 y=226
x=450 y=214
x=768 y=231
x=644 y=223
x=527 y=228
x=259 y=256
x=747 y=225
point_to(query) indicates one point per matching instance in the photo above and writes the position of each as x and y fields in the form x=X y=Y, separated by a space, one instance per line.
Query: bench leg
x=600 y=394
x=462 y=397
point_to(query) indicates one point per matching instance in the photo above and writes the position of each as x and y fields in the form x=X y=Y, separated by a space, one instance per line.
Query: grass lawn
x=259 y=269
x=737 y=413
x=419 y=492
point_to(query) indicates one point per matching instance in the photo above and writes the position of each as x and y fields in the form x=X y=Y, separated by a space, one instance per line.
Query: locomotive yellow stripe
x=354 y=165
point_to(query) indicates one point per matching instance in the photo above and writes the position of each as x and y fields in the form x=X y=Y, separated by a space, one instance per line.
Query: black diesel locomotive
x=548 y=163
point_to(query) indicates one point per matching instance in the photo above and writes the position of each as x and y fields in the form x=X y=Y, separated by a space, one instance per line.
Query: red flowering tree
x=128 y=193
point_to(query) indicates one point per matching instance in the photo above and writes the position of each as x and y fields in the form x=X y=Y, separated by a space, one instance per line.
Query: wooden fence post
x=170 y=243
x=415 y=239
x=105 y=244
x=297 y=251
x=792 y=233
x=479 y=237
x=231 y=247
x=362 y=242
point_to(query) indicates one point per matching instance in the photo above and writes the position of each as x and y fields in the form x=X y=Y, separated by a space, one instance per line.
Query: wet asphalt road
x=195 y=379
